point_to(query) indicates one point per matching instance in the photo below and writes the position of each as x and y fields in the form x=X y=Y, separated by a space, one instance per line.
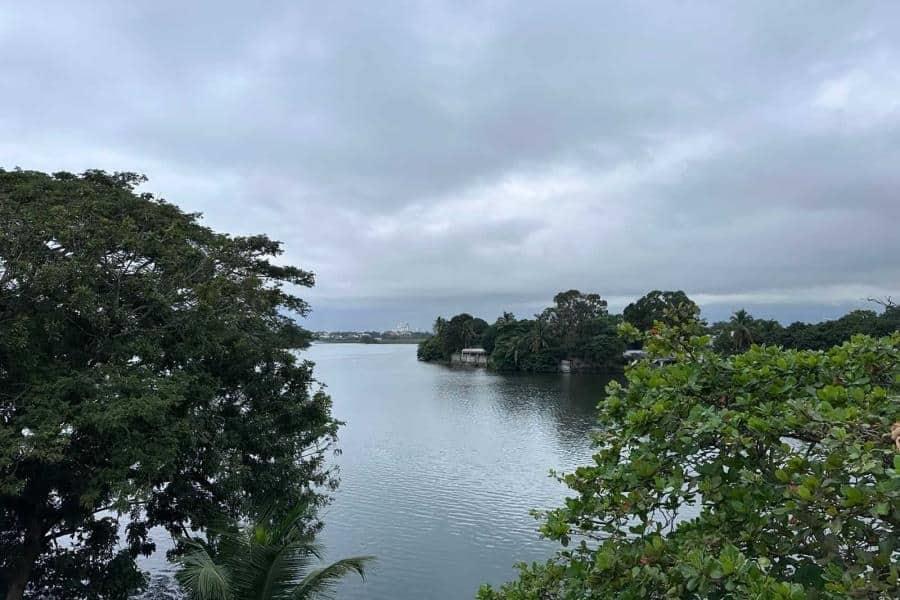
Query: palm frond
x=321 y=581
x=202 y=578
x=271 y=568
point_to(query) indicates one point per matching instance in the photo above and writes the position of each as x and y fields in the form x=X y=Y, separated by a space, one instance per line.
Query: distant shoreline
x=373 y=342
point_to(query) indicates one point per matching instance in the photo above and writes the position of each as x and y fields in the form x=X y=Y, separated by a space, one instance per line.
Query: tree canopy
x=743 y=329
x=147 y=368
x=767 y=474
x=577 y=327
x=654 y=306
x=461 y=331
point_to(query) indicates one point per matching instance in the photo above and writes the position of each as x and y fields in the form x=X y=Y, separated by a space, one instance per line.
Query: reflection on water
x=441 y=466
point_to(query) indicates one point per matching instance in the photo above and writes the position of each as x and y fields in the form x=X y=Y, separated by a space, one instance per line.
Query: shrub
x=770 y=474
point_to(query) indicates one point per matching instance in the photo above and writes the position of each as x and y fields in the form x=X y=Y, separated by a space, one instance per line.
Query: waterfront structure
x=471 y=356
x=631 y=356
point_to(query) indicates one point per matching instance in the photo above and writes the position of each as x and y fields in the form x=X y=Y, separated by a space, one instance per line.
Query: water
x=441 y=466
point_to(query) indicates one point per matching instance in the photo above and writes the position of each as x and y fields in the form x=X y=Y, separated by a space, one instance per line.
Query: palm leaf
x=203 y=578
x=321 y=582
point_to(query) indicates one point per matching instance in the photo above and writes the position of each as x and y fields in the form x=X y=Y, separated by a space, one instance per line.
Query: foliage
x=768 y=474
x=461 y=331
x=576 y=327
x=743 y=330
x=653 y=307
x=266 y=560
x=430 y=350
x=147 y=367
x=573 y=318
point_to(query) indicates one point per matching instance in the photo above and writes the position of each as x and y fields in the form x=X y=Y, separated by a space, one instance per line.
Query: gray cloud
x=427 y=156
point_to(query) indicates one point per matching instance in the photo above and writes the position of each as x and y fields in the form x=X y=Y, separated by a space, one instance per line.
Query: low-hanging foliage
x=770 y=474
x=270 y=559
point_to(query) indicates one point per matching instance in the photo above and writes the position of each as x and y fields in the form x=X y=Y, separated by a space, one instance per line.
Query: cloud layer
x=432 y=156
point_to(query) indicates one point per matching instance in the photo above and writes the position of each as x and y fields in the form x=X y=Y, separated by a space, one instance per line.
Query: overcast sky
x=434 y=157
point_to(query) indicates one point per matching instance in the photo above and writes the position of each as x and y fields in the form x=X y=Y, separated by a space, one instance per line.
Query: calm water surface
x=440 y=467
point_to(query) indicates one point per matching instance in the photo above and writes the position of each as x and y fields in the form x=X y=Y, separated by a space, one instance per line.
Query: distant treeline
x=579 y=328
x=743 y=330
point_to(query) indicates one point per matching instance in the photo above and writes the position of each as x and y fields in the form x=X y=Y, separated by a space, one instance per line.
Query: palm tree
x=439 y=325
x=740 y=330
x=263 y=561
x=468 y=333
x=539 y=336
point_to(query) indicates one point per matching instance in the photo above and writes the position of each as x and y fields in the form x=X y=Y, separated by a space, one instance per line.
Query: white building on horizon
x=401 y=329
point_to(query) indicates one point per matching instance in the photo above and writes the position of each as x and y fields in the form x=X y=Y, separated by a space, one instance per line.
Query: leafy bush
x=430 y=349
x=770 y=474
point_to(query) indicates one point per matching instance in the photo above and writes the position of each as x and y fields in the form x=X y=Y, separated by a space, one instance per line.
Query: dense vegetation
x=147 y=369
x=577 y=327
x=743 y=330
x=657 y=306
x=766 y=474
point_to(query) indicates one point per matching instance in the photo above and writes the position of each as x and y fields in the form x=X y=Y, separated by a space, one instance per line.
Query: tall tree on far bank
x=573 y=316
x=147 y=368
x=740 y=325
x=655 y=306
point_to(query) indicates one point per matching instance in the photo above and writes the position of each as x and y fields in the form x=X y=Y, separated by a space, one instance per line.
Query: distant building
x=402 y=329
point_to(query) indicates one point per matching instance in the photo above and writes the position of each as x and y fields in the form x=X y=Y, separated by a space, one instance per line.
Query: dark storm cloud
x=421 y=154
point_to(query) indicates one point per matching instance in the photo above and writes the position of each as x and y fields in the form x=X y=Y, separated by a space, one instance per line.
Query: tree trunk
x=31 y=549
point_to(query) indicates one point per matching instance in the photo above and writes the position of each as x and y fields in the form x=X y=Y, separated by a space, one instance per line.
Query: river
x=440 y=467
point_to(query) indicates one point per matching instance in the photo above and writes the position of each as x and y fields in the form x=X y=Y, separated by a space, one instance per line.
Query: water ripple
x=441 y=467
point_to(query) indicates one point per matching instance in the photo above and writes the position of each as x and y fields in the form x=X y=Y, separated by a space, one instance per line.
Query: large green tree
x=573 y=316
x=767 y=474
x=655 y=306
x=147 y=368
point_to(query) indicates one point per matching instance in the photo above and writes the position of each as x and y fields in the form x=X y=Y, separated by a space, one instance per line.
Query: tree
x=605 y=346
x=572 y=315
x=265 y=560
x=652 y=307
x=489 y=335
x=768 y=474
x=539 y=337
x=508 y=343
x=439 y=324
x=737 y=335
x=147 y=368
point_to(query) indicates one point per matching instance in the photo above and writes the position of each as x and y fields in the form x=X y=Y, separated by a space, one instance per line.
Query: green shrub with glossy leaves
x=770 y=474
